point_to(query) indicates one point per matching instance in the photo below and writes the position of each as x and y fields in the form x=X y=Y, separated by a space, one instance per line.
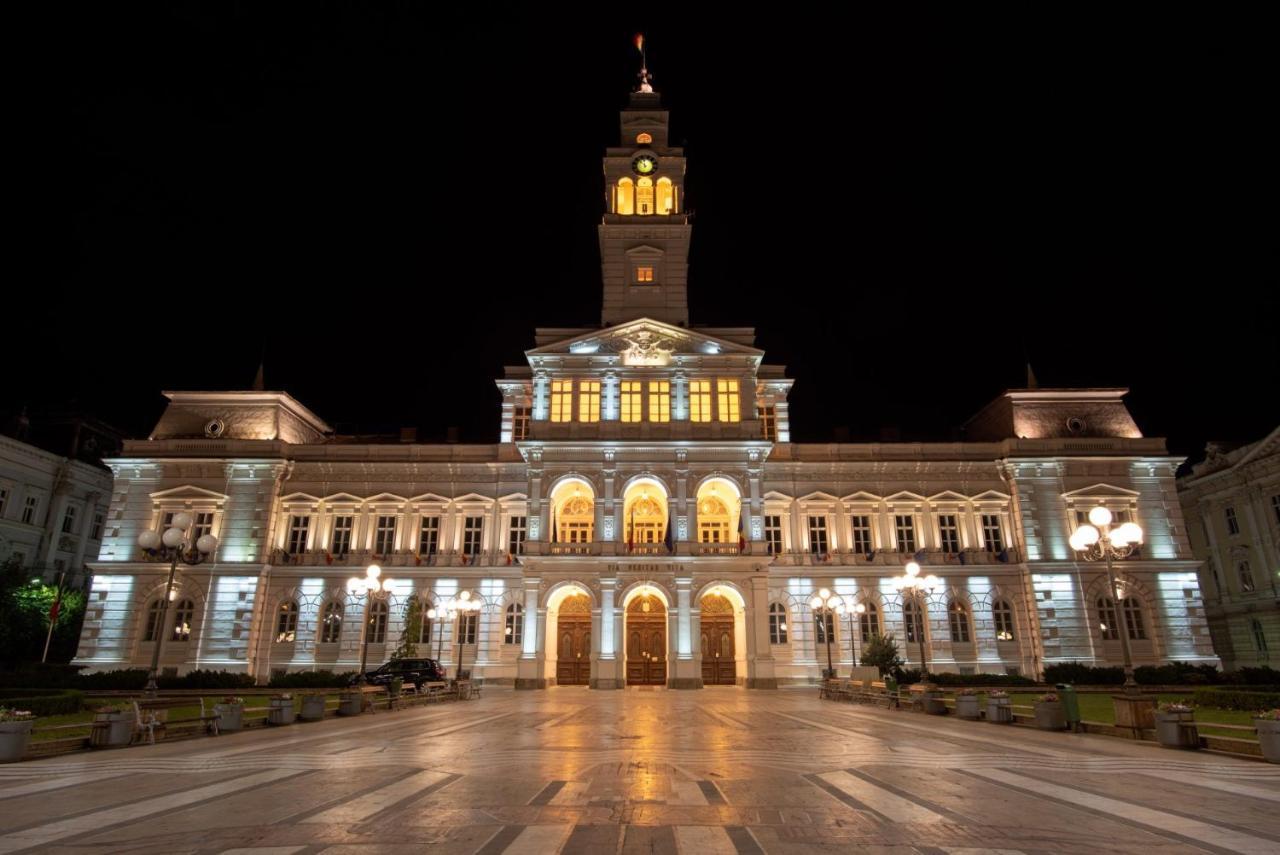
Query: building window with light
x=905 y=530
x=514 y=631
x=1002 y=616
x=666 y=196
x=729 y=399
x=913 y=620
x=287 y=622
x=659 y=400
x=773 y=534
x=331 y=623
x=824 y=626
x=991 y=534
x=958 y=618
x=377 y=629
x=183 y=615
x=561 y=400
x=632 y=400
x=1245 y=572
x=516 y=536
x=520 y=423
x=769 y=422
x=342 y=527
x=777 y=623
x=624 y=197
x=202 y=524
x=298 y=528
x=429 y=536
x=468 y=624
x=424 y=624
x=948 y=533
x=1108 y=620
x=1133 y=619
x=588 y=400
x=818 y=535
x=472 y=529
x=869 y=623
x=699 y=400
x=862 y=534
x=1233 y=525
x=644 y=274
x=644 y=196
x=384 y=542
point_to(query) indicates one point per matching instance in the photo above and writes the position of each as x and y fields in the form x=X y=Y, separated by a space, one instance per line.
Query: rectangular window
x=342 y=535
x=777 y=624
x=905 y=530
x=632 y=401
x=516 y=536
x=29 y=510
x=429 y=536
x=520 y=424
x=98 y=522
x=729 y=399
x=824 y=625
x=948 y=533
x=467 y=625
x=384 y=537
x=991 y=536
x=1233 y=525
x=298 y=527
x=699 y=400
x=862 y=534
x=69 y=520
x=588 y=400
x=769 y=422
x=773 y=534
x=561 y=400
x=818 y=535
x=202 y=525
x=659 y=401
x=644 y=275
x=472 y=528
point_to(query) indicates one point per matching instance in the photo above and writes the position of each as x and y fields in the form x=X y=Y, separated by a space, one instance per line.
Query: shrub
x=948 y=679
x=906 y=676
x=1264 y=676
x=311 y=680
x=1236 y=699
x=1081 y=674
x=125 y=678
x=202 y=679
x=45 y=703
x=882 y=653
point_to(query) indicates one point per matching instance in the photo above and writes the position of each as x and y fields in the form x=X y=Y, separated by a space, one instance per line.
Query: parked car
x=415 y=671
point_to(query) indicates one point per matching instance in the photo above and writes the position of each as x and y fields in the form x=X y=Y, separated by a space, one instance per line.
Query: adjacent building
x=645 y=518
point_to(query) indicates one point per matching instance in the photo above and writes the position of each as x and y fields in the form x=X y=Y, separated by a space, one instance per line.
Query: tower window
x=561 y=400
x=588 y=400
x=644 y=197
x=666 y=196
x=632 y=409
x=644 y=275
x=624 y=197
x=700 y=400
x=769 y=422
x=644 y=139
x=520 y=423
x=728 y=398
x=659 y=400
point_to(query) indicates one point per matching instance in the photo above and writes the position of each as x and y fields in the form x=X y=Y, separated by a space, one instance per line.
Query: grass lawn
x=1098 y=707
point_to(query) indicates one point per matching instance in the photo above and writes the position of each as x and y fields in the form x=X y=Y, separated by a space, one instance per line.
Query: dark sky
x=905 y=208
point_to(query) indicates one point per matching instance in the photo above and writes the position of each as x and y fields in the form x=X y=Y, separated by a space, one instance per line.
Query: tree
x=882 y=652
x=408 y=648
x=25 y=604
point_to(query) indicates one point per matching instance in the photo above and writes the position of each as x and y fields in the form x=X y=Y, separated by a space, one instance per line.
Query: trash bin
x=1070 y=704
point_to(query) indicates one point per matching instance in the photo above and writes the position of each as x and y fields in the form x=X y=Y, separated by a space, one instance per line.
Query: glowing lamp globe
x=181 y=520
x=824 y=593
x=1130 y=531
x=207 y=543
x=932 y=581
x=373 y=571
x=1087 y=534
x=815 y=603
x=172 y=537
x=1076 y=543
x=1100 y=516
x=860 y=608
x=149 y=540
x=913 y=569
x=386 y=585
x=354 y=585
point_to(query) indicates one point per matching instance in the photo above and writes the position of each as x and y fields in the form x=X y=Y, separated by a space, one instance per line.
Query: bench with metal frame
x=151 y=714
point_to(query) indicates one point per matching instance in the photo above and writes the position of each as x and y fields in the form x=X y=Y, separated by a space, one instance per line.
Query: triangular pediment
x=947 y=496
x=644 y=341
x=343 y=499
x=861 y=496
x=189 y=491
x=1100 y=491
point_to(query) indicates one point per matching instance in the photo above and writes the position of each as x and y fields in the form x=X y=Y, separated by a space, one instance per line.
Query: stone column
x=760 y=664
x=529 y=667
x=687 y=672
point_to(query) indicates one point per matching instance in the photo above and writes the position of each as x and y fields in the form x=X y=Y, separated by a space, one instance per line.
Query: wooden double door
x=646 y=642
x=573 y=647
x=719 y=666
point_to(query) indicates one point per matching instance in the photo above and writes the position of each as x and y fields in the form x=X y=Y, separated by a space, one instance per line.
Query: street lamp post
x=919 y=589
x=367 y=589
x=825 y=604
x=462 y=606
x=432 y=614
x=858 y=609
x=172 y=544
x=1098 y=541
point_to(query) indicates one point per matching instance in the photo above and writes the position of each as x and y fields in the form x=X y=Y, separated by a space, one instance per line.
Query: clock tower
x=644 y=236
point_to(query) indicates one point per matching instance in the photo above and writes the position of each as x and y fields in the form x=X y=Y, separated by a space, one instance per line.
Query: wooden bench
x=152 y=714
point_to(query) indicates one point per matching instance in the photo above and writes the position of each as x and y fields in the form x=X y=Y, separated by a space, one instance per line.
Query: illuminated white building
x=645 y=517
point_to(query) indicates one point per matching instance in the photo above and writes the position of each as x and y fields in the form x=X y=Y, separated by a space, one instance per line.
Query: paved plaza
x=722 y=770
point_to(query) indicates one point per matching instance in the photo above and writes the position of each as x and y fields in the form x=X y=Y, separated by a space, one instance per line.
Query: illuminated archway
x=666 y=196
x=646 y=648
x=723 y=634
x=569 y=631
x=644 y=196
x=624 y=197
x=645 y=513
x=719 y=509
x=573 y=506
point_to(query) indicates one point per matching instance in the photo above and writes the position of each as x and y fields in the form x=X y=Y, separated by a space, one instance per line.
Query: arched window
x=331 y=623
x=824 y=626
x=378 y=622
x=1246 y=577
x=666 y=196
x=287 y=622
x=1108 y=620
x=869 y=623
x=644 y=196
x=958 y=617
x=183 y=615
x=624 y=197
x=1003 y=616
x=514 y=632
x=155 y=612
x=644 y=139
x=777 y=623
x=1133 y=618
x=913 y=620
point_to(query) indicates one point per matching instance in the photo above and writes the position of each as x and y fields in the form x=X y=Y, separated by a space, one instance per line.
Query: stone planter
x=280 y=711
x=1177 y=729
x=350 y=703
x=931 y=702
x=111 y=730
x=14 y=736
x=312 y=708
x=1269 y=738
x=393 y=688
x=999 y=711
x=1050 y=715
x=230 y=717
x=967 y=707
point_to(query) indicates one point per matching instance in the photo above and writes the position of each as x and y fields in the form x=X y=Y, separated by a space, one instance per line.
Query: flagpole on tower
x=645 y=84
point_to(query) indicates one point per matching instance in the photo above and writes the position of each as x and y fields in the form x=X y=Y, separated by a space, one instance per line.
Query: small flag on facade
x=1003 y=555
x=871 y=555
x=963 y=560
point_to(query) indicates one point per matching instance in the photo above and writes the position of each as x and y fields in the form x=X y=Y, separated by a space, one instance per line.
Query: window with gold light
x=632 y=400
x=646 y=519
x=718 y=509
x=561 y=400
x=576 y=518
x=769 y=422
x=659 y=401
x=624 y=197
x=644 y=197
x=699 y=400
x=729 y=399
x=644 y=139
x=588 y=400
x=644 y=275
x=666 y=196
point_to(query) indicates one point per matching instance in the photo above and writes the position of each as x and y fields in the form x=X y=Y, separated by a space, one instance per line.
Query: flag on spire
x=640 y=43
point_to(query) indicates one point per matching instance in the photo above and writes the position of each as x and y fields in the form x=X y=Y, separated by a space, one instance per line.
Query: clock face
x=644 y=165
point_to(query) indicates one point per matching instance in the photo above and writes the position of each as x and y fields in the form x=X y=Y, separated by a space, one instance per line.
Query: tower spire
x=646 y=82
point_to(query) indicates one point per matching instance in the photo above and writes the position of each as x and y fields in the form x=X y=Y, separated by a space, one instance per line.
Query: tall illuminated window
x=773 y=533
x=699 y=400
x=861 y=524
x=948 y=533
x=644 y=196
x=632 y=401
x=624 y=197
x=561 y=400
x=588 y=400
x=666 y=196
x=769 y=422
x=991 y=532
x=659 y=401
x=729 y=400
x=905 y=529
x=818 y=535
x=520 y=423
x=384 y=537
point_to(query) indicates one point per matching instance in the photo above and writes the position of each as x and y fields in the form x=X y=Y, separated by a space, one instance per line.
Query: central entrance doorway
x=719 y=665
x=573 y=647
x=646 y=641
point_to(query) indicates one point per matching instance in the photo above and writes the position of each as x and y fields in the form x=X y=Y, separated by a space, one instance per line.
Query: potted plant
x=112 y=726
x=15 y=733
x=1268 y=724
x=1049 y=712
x=1176 y=726
x=967 y=705
x=999 y=707
x=312 y=707
x=351 y=702
x=931 y=700
x=280 y=709
x=230 y=714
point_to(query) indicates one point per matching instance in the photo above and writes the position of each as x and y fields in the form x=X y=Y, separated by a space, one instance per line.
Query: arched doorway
x=646 y=641
x=573 y=641
x=719 y=659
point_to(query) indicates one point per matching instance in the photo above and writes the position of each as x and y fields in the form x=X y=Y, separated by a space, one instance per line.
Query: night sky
x=389 y=201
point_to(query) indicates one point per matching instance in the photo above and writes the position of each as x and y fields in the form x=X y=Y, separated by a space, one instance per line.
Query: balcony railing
x=400 y=558
x=928 y=557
